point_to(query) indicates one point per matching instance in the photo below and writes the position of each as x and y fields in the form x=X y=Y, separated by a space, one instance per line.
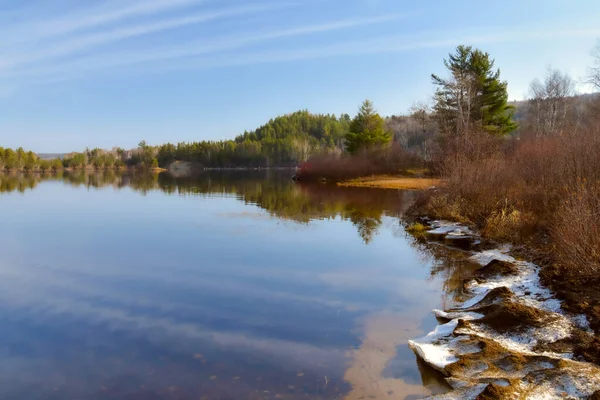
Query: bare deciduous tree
x=421 y=112
x=551 y=101
x=594 y=73
x=416 y=130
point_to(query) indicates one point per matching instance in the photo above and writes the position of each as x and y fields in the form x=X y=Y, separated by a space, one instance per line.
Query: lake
x=229 y=285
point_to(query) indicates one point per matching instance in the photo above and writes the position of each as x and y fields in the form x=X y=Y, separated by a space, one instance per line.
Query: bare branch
x=550 y=102
x=593 y=78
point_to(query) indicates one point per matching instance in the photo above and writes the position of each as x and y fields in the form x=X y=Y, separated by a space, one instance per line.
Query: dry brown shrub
x=392 y=160
x=576 y=230
x=515 y=188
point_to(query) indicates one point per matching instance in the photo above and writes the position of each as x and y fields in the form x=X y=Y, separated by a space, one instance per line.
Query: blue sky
x=103 y=73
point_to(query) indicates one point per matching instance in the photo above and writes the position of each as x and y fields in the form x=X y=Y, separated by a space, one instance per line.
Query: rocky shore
x=508 y=336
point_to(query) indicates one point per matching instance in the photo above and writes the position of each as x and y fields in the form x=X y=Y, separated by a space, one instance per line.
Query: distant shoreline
x=135 y=168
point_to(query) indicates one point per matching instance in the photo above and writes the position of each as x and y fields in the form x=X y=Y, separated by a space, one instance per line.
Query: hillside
x=283 y=141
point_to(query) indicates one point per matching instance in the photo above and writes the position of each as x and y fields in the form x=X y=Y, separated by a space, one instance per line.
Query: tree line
x=472 y=99
x=282 y=142
x=28 y=161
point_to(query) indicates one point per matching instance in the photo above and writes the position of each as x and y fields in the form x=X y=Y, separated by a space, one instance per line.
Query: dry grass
x=392 y=182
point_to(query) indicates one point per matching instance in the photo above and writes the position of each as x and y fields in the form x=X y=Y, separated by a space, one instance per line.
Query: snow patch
x=447 y=343
x=449 y=228
x=434 y=348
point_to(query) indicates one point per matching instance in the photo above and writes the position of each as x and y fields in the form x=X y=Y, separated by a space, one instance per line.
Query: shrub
x=334 y=167
x=576 y=229
x=517 y=189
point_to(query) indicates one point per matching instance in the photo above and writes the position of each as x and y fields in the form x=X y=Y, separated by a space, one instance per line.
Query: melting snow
x=444 y=346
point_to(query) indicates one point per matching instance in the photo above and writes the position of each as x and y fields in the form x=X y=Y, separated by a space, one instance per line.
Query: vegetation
x=341 y=167
x=392 y=182
x=21 y=160
x=367 y=131
x=473 y=98
x=369 y=151
x=283 y=142
x=539 y=186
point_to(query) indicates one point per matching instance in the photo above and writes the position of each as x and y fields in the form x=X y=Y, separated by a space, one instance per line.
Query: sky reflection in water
x=231 y=285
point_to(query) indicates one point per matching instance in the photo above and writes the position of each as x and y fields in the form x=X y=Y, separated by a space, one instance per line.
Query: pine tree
x=367 y=130
x=474 y=98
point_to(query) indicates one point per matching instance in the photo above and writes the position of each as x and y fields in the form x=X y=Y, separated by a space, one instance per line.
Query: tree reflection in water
x=272 y=191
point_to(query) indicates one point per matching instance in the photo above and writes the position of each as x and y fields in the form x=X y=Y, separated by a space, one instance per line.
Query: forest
x=282 y=142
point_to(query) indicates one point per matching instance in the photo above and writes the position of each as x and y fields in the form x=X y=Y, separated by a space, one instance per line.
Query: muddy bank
x=508 y=336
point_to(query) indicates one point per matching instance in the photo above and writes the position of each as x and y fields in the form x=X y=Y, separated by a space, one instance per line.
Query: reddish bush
x=528 y=189
x=334 y=167
x=576 y=228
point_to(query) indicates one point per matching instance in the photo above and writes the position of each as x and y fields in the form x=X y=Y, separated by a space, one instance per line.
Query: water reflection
x=365 y=208
x=236 y=285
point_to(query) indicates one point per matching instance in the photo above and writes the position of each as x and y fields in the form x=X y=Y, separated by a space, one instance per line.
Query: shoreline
x=116 y=169
x=392 y=182
x=509 y=336
x=518 y=333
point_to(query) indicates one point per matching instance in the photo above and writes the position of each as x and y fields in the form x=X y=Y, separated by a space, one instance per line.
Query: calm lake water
x=231 y=285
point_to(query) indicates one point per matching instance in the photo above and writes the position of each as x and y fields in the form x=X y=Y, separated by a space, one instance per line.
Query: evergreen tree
x=367 y=130
x=474 y=98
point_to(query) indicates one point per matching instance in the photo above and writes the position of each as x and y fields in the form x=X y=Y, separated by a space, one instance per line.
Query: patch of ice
x=581 y=322
x=485 y=257
x=571 y=384
x=474 y=300
x=525 y=285
x=437 y=356
x=524 y=342
x=442 y=230
x=457 y=315
x=449 y=228
x=431 y=348
x=464 y=393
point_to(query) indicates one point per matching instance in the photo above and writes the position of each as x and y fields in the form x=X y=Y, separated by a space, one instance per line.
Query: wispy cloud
x=209 y=56
x=381 y=45
x=86 y=42
x=201 y=48
x=95 y=40
x=112 y=12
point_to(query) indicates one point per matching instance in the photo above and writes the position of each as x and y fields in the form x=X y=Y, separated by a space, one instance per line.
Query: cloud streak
x=203 y=48
x=98 y=17
x=102 y=41
x=389 y=44
x=97 y=39
x=381 y=45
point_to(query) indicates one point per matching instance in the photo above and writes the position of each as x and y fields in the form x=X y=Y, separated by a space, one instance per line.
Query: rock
x=461 y=241
x=498 y=268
